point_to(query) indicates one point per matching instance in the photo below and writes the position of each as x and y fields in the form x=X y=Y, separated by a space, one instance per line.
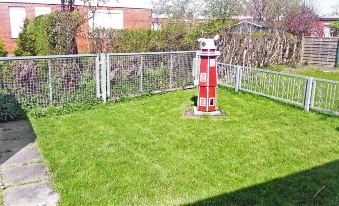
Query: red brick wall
x=133 y=19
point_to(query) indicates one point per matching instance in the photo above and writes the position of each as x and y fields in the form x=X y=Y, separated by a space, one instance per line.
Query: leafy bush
x=176 y=36
x=335 y=26
x=3 y=51
x=25 y=43
x=49 y=34
x=293 y=64
x=156 y=79
x=10 y=109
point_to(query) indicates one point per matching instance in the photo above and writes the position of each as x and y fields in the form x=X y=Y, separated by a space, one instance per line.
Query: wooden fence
x=320 y=50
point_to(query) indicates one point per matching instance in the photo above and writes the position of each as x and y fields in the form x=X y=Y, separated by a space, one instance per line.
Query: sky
x=325 y=7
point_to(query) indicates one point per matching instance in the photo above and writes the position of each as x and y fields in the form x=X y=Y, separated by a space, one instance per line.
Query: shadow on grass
x=194 y=100
x=316 y=186
x=16 y=131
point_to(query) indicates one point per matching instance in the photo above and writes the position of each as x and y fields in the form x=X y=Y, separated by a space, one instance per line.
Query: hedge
x=3 y=51
x=174 y=36
x=49 y=34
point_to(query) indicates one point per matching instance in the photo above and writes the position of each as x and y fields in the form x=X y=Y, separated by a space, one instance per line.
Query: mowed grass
x=317 y=73
x=144 y=152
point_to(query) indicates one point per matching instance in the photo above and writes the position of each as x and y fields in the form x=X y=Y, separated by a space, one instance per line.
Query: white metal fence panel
x=308 y=92
x=48 y=80
x=226 y=74
x=325 y=96
x=284 y=87
x=133 y=74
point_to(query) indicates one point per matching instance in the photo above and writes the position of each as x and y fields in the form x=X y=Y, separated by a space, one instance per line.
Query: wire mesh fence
x=59 y=80
x=46 y=81
x=136 y=74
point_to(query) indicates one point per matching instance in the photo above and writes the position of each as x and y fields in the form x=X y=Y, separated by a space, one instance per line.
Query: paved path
x=24 y=176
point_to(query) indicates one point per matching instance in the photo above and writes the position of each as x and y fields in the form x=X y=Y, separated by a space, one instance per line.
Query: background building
x=122 y=14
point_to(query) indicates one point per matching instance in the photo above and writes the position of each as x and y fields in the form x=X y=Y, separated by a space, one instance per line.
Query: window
x=17 y=16
x=202 y=102
x=108 y=19
x=42 y=11
x=203 y=77
x=212 y=62
x=212 y=101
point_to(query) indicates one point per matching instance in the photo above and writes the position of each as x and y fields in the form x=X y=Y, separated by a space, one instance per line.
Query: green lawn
x=328 y=73
x=318 y=74
x=144 y=152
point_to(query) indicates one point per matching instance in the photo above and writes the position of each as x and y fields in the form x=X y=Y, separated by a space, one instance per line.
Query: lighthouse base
x=200 y=113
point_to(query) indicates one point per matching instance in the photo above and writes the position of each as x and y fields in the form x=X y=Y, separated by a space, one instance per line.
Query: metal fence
x=58 y=80
x=308 y=92
x=48 y=80
x=133 y=74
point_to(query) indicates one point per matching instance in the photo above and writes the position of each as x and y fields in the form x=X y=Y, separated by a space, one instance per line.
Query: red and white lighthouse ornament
x=207 y=78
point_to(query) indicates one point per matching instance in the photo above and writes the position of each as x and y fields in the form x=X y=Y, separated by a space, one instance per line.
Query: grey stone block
x=30 y=194
x=26 y=155
x=200 y=113
x=24 y=174
x=14 y=136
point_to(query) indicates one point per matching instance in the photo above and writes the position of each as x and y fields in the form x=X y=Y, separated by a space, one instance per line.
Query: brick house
x=324 y=27
x=117 y=14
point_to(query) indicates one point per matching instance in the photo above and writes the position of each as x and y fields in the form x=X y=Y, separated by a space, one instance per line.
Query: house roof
x=332 y=18
x=257 y=24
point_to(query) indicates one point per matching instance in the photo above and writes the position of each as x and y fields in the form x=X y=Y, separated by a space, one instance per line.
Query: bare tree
x=336 y=10
x=222 y=9
x=177 y=9
x=67 y=5
x=282 y=15
x=301 y=21
x=87 y=5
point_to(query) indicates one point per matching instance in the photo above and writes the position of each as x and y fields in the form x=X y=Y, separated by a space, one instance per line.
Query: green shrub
x=25 y=43
x=178 y=36
x=49 y=34
x=3 y=50
x=10 y=109
x=292 y=64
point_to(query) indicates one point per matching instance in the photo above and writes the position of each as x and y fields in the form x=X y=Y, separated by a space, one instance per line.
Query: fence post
x=97 y=75
x=108 y=69
x=171 y=72
x=308 y=93
x=237 y=78
x=141 y=74
x=50 y=93
x=103 y=65
x=314 y=86
x=337 y=56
